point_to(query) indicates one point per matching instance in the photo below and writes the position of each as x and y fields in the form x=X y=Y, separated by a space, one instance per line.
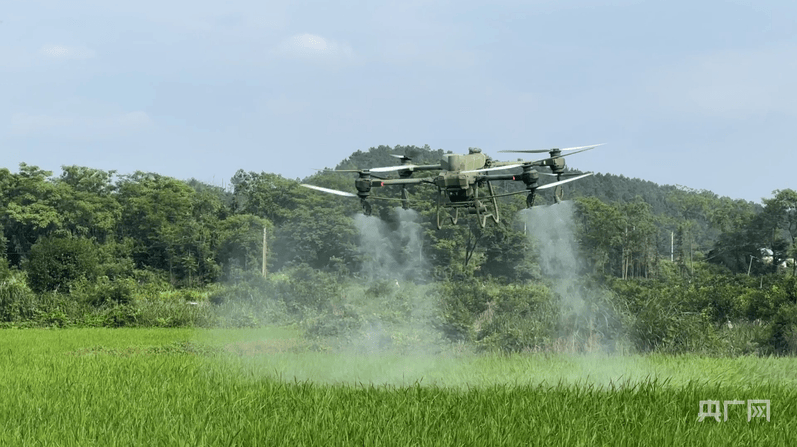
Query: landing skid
x=441 y=205
x=476 y=206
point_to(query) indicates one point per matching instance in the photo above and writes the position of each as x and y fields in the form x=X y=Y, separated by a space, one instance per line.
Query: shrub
x=104 y=291
x=304 y=288
x=505 y=317
x=343 y=320
x=252 y=288
x=17 y=301
x=174 y=314
x=55 y=263
x=120 y=315
x=667 y=318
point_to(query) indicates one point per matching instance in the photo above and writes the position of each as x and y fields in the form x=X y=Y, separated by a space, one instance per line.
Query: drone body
x=461 y=179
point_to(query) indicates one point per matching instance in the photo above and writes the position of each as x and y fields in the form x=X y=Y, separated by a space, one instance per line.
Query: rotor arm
x=436 y=167
x=399 y=181
x=529 y=177
x=494 y=177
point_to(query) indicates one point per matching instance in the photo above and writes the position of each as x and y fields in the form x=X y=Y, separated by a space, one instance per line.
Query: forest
x=661 y=268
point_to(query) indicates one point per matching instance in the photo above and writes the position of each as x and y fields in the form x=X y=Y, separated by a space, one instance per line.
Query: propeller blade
x=392 y=168
x=554 y=184
x=542 y=160
x=566 y=174
x=358 y=171
x=539 y=151
x=330 y=191
x=494 y=169
x=401 y=157
x=405 y=168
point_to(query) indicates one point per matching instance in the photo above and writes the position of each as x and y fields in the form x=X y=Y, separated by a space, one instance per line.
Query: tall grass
x=110 y=387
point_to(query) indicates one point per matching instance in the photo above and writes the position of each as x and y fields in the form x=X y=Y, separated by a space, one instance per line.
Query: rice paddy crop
x=155 y=387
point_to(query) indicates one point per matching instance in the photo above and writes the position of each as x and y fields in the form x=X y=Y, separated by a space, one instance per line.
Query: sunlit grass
x=190 y=387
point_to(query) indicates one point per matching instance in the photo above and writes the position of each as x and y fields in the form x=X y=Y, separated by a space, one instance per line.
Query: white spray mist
x=391 y=254
x=393 y=265
x=582 y=312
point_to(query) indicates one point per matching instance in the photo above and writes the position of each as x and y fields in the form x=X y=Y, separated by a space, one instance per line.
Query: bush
x=668 y=318
x=150 y=283
x=243 y=314
x=120 y=315
x=55 y=263
x=252 y=288
x=304 y=288
x=503 y=317
x=174 y=314
x=776 y=306
x=343 y=320
x=17 y=301
x=104 y=291
x=782 y=331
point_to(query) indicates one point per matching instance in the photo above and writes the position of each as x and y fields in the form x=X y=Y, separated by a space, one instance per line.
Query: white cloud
x=23 y=124
x=732 y=84
x=61 y=52
x=314 y=47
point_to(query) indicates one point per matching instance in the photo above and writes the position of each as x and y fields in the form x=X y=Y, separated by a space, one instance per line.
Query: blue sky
x=701 y=94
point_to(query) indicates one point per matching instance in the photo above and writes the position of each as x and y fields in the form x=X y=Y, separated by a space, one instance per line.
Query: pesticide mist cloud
x=555 y=238
x=393 y=265
x=391 y=253
x=586 y=322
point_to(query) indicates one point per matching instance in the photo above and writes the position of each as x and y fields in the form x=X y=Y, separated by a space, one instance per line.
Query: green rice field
x=165 y=387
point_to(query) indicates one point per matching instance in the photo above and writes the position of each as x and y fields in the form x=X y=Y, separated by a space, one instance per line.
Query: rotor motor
x=363 y=185
x=558 y=166
x=529 y=177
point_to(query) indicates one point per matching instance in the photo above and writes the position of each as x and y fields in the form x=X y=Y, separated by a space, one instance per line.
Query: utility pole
x=672 y=246
x=264 y=252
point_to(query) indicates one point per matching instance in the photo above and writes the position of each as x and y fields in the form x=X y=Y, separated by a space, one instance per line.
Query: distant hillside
x=382 y=156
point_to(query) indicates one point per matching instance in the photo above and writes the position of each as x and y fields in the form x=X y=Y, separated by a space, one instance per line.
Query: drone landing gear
x=366 y=207
x=495 y=215
x=405 y=202
x=480 y=209
x=530 y=199
x=441 y=206
x=481 y=212
x=453 y=217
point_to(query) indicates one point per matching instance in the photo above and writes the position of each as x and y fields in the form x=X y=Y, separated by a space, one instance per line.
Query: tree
x=266 y=195
x=241 y=242
x=88 y=205
x=602 y=228
x=781 y=212
x=28 y=207
x=55 y=263
x=173 y=227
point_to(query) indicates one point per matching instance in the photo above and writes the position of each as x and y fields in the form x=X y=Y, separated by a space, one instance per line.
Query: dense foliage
x=661 y=267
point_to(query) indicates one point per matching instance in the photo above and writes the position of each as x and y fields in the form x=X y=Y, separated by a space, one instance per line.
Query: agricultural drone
x=461 y=179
